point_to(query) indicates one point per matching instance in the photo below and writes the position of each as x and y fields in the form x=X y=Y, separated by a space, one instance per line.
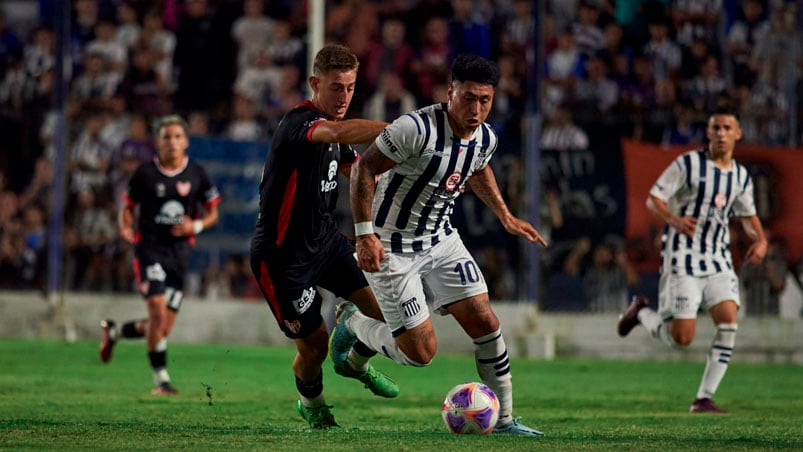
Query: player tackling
x=696 y=196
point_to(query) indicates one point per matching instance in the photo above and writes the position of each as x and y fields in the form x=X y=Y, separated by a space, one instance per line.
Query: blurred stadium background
x=596 y=97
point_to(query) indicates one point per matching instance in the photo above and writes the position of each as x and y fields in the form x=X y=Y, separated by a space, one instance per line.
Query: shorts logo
x=183 y=188
x=411 y=307
x=304 y=303
x=681 y=303
x=294 y=326
x=155 y=272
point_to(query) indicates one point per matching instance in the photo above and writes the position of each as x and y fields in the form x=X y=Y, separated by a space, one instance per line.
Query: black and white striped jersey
x=414 y=200
x=693 y=186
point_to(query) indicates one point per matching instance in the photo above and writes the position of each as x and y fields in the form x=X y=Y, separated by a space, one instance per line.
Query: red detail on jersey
x=137 y=237
x=128 y=201
x=312 y=128
x=212 y=202
x=286 y=210
x=266 y=284
x=349 y=164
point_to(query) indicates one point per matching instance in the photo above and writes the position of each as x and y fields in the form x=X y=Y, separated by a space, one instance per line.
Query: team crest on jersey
x=183 y=187
x=453 y=181
x=720 y=200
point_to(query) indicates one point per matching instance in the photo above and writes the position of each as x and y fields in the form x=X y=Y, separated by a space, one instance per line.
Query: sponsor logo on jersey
x=330 y=184
x=386 y=139
x=411 y=307
x=171 y=213
x=305 y=302
x=183 y=188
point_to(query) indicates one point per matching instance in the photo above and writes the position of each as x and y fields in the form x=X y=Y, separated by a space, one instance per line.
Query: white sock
x=717 y=360
x=313 y=402
x=160 y=376
x=357 y=361
x=378 y=337
x=657 y=327
x=493 y=366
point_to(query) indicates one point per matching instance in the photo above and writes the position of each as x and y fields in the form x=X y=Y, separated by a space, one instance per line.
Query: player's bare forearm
x=754 y=230
x=350 y=131
x=659 y=208
x=125 y=223
x=362 y=183
x=483 y=183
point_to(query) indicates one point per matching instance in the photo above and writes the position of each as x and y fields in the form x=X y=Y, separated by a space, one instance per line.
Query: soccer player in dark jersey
x=297 y=246
x=168 y=191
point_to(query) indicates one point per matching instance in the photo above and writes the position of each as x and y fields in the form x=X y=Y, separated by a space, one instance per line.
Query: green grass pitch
x=55 y=395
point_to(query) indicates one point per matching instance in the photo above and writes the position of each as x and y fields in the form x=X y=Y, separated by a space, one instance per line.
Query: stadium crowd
x=650 y=70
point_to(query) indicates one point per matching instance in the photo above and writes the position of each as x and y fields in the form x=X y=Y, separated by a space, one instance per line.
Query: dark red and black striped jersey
x=164 y=196
x=299 y=189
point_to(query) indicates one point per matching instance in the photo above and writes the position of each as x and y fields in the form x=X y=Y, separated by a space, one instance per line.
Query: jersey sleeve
x=136 y=188
x=301 y=131
x=744 y=205
x=209 y=194
x=402 y=139
x=493 y=144
x=348 y=155
x=670 y=181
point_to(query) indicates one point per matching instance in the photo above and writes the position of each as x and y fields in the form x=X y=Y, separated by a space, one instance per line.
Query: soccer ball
x=470 y=408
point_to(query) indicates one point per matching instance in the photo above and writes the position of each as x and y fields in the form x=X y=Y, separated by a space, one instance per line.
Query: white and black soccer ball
x=470 y=408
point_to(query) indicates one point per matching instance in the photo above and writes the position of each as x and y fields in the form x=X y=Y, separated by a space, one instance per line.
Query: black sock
x=311 y=389
x=158 y=359
x=129 y=330
x=363 y=350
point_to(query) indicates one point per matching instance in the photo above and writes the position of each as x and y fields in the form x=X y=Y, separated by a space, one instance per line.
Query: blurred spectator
x=244 y=125
x=93 y=234
x=10 y=44
x=251 y=32
x=390 y=101
x=589 y=36
x=693 y=58
x=117 y=121
x=82 y=28
x=198 y=123
x=286 y=49
x=608 y=279
x=38 y=191
x=136 y=148
x=106 y=44
x=703 y=92
x=144 y=89
x=662 y=51
x=563 y=67
x=431 y=63
x=509 y=95
x=743 y=37
x=127 y=25
x=92 y=89
x=517 y=33
x=791 y=299
x=561 y=133
x=258 y=80
x=655 y=120
x=778 y=56
x=89 y=157
x=696 y=18
x=33 y=254
x=162 y=44
x=595 y=96
x=391 y=54
x=467 y=32
x=39 y=53
x=685 y=130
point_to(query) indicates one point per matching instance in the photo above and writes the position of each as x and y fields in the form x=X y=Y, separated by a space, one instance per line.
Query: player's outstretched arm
x=361 y=192
x=483 y=183
x=350 y=131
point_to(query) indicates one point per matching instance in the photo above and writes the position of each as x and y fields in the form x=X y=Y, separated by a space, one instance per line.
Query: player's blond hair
x=334 y=57
x=170 y=120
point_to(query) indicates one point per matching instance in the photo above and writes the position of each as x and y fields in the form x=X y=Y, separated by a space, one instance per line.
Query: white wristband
x=197 y=226
x=363 y=228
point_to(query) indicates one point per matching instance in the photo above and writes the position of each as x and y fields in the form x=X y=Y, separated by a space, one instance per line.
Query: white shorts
x=407 y=284
x=681 y=296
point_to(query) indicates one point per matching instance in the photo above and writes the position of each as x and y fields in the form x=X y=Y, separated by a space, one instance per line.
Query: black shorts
x=292 y=295
x=160 y=270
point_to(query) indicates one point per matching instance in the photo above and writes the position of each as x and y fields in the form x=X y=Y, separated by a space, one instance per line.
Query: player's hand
x=127 y=234
x=370 y=252
x=183 y=229
x=756 y=252
x=684 y=225
x=519 y=227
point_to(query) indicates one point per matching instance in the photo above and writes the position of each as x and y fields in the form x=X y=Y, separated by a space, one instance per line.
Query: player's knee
x=417 y=360
x=682 y=338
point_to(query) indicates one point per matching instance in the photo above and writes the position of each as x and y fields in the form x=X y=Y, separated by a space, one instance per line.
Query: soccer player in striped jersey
x=402 y=193
x=696 y=196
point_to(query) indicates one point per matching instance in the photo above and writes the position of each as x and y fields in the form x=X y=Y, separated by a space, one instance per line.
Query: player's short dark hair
x=170 y=120
x=474 y=68
x=334 y=57
x=726 y=110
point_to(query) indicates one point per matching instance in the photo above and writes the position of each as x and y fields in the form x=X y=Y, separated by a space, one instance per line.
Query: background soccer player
x=167 y=191
x=297 y=245
x=696 y=196
x=406 y=243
